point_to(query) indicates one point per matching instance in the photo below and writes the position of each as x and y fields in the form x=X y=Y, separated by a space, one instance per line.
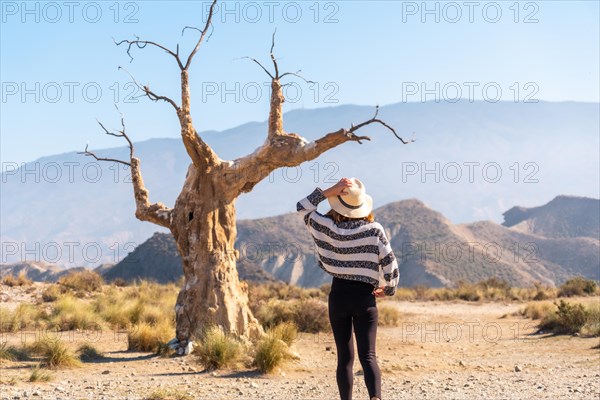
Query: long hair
x=338 y=218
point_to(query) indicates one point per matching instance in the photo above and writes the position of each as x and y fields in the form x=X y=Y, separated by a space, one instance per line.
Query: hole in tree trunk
x=190 y=216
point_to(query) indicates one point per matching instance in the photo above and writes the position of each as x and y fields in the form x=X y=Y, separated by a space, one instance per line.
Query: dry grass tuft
x=309 y=315
x=82 y=281
x=20 y=280
x=146 y=337
x=388 y=315
x=25 y=316
x=218 y=350
x=55 y=354
x=271 y=351
x=39 y=374
x=12 y=353
x=538 y=309
x=87 y=352
x=286 y=331
x=52 y=293
x=70 y=313
x=578 y=286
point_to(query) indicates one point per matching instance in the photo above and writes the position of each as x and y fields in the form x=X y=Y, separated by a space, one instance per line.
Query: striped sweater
x=356 y=250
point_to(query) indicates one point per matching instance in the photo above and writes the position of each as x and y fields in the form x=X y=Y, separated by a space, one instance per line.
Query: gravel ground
x=441 y=350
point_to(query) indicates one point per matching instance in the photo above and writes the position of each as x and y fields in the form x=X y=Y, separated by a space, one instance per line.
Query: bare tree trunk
x=204 y=227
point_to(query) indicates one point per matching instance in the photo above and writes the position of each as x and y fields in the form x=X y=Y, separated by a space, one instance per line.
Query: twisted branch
x=375 y=120
x=157 y=213
x=141 y=44
x=150 y=94
x=203 y=33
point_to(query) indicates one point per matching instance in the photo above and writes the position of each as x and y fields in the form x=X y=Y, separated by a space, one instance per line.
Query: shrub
x=494 y=283
x=538 y=310
x=543 y=292
x=403 y=293
x=311 y=316
x=51 y=293
x=270 y=352
x=568 y=319
x=119 y=282
x=12 y=353
x=217 y=350
x=87 y=352
x=592 y=325
x=388 y=316
x=577 y=286
x=146 y=337
x=286 y=331
x=468 y=292
x=71 y=313
x=55 y=354
x=38 y=374
x=19 y=280
x=420 y=292
x=82 y=281
x=25 y=316
x=274 y=312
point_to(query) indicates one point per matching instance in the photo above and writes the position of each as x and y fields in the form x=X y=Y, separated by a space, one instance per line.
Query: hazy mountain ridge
x=565 y=216
x=98 y=212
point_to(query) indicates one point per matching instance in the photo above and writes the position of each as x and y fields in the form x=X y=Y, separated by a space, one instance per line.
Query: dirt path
x=440 y=351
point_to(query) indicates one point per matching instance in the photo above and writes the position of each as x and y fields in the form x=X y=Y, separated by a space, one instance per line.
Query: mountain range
x=471 y=161
x=546 y=244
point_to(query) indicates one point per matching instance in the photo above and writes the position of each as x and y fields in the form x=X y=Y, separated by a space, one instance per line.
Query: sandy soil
x=441 y=350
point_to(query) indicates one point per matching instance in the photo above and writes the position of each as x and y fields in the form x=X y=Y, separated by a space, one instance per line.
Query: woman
x=356 y=252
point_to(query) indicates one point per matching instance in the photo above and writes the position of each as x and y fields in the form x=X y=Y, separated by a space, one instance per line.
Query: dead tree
x=203 y=220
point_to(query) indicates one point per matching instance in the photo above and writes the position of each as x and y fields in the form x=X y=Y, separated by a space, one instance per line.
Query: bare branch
x=208 y=24
x=190 y=27
x=375 y=120
x=151 y=95
x=91 y=154
x=120 y=133
x=273 y=55
x=297 y=75
x=156 y=213
x=142 y=44
x=256 y=61
x=289 y=150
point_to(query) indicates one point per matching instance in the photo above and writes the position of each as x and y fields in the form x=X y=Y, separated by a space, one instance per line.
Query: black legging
x=352 y=303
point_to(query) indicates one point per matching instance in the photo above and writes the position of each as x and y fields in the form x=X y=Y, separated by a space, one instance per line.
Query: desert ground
x=440 y=350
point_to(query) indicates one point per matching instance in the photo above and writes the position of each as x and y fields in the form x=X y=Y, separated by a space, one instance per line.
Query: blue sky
x=55 y=58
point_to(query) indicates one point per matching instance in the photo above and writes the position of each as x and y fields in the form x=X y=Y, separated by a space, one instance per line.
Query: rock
x=518 y=368
x=328 y=348
x=462 y=363
x=189 y=348
x=106 y=372
x=254 y=384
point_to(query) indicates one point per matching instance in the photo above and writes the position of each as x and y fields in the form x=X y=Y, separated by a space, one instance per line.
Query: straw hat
x=355 y=203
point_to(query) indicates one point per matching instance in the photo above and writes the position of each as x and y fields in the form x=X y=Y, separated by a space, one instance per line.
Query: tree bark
x=204 y=227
